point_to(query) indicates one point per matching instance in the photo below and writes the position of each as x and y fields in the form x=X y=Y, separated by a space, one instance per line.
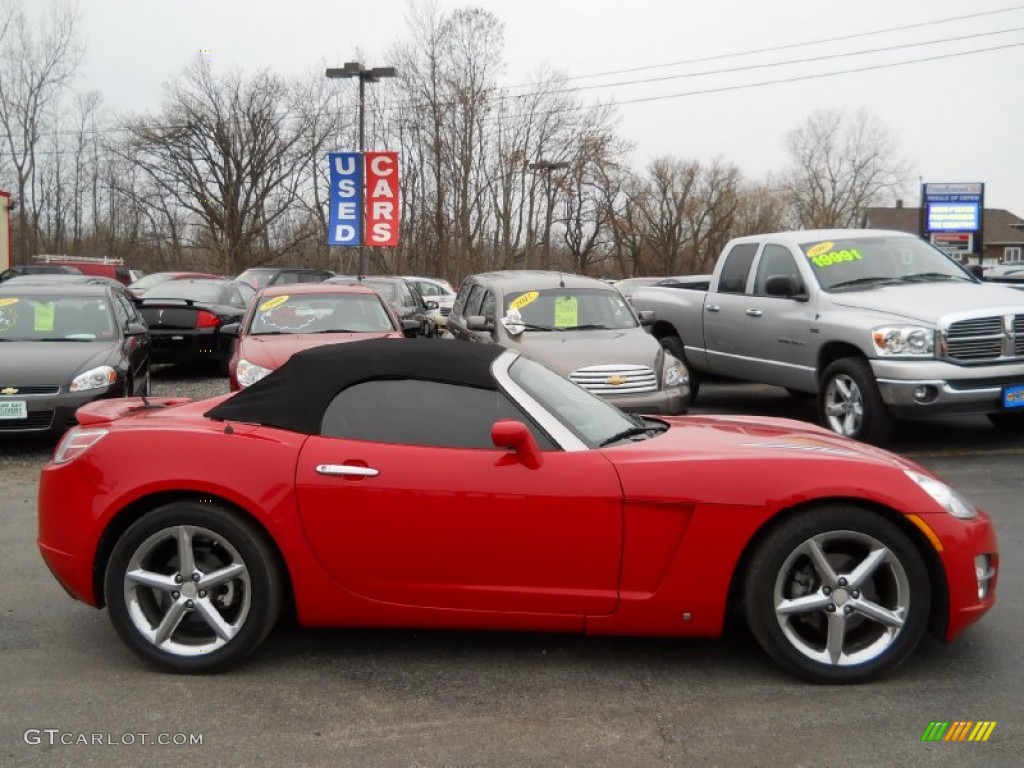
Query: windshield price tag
x=566 y=311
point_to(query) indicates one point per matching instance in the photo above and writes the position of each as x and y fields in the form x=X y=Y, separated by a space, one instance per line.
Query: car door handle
x=754 y=312
x=712 y=307
x=346 y=470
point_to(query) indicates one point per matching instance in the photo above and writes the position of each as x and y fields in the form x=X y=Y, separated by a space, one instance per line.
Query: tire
x=207 y=629
x=1011 y=422
x=849 y=403
x=674 y=346
x=816 y=617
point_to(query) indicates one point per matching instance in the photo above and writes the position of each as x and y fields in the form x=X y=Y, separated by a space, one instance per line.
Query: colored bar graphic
x=958 y=730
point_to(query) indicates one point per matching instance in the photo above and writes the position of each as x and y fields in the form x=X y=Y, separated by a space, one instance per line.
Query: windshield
x=383 y=287
x=861 y=262
x=55 y=318
x=206 y=291
x=591 y=419
x=321 y=313
x=564 y=309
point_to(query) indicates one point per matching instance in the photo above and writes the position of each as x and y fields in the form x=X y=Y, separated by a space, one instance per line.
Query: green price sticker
x=43 y=320
x=566 y=311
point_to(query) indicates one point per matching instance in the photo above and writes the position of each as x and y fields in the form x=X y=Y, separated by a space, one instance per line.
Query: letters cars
x=432 y=485
x=63 y=345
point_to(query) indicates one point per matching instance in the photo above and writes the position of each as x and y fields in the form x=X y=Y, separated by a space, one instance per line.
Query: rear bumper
x=189 y=345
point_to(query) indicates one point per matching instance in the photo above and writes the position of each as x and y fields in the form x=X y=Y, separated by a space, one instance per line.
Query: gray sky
x=957 y=119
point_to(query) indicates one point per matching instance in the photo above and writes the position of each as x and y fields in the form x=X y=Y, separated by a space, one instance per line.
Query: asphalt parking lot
x=369 y=697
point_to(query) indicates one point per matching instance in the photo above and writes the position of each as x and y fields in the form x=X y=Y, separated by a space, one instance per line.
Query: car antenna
x=561 y=280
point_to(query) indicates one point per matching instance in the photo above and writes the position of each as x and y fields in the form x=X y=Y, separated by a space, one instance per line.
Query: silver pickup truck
x=878 y=325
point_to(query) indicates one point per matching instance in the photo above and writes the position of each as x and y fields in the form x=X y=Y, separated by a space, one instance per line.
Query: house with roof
x=1003 y=231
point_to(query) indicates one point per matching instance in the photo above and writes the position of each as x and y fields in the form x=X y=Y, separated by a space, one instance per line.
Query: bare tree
x=227 y=151
x=36 y=64
x=841 y=164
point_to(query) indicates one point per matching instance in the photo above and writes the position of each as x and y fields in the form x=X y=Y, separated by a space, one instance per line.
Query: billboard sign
x=363 y=213
x=953 y=207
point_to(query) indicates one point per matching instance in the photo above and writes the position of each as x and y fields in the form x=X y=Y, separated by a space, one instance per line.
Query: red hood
x=274 y=351
x=729 y=459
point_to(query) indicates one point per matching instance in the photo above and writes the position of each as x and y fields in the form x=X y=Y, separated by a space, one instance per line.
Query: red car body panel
x=642 y=538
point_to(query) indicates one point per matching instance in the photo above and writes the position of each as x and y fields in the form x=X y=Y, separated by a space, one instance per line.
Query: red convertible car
x=464 y=486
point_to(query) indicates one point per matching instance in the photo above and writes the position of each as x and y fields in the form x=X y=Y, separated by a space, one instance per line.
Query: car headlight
x=952 y=501
x=102 y=376
x=249 y=373
x=674 y=374
x=904 y=340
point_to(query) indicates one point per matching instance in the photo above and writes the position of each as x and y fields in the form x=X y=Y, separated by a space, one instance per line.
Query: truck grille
x=616 y=379
x=996 y=338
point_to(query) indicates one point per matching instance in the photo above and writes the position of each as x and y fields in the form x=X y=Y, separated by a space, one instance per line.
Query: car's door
x=724 y=313
x=775 y=331
x=422 y=510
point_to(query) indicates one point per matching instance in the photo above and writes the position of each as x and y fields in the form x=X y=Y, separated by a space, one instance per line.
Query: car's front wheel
x=849 y=402
x=192 y=587
x=837 y=595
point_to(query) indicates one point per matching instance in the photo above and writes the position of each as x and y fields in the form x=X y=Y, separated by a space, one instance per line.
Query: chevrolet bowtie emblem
x=615 y=381
x=9 y=391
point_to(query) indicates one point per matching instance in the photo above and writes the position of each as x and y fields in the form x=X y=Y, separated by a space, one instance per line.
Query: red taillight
x=206 y=319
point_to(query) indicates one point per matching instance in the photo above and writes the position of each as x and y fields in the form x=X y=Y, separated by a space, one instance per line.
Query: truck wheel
x=674 y=346
x=849 y=402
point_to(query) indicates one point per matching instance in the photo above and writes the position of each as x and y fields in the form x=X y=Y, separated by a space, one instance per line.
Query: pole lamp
x=547 y=166
x=372 y=75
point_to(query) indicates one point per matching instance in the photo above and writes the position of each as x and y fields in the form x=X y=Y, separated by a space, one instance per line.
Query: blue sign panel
x=345 y=226
x=954 y=217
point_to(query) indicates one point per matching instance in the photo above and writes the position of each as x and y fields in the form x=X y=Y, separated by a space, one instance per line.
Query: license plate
x=13 y=409
x=1013 y=397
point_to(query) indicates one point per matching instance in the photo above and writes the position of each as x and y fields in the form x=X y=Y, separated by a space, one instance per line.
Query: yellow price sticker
x=566 y=311
x=43 y=320
x=523 y=300
x=819 y=249
x=7 y=302
x=273 y=303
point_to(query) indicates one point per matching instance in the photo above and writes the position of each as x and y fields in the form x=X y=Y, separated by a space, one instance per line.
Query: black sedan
x=402 y=295
x=185 y=318
x=65 y=345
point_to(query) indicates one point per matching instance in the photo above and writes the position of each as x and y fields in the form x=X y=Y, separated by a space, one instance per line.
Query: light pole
x=547 y=166
x=355 y=69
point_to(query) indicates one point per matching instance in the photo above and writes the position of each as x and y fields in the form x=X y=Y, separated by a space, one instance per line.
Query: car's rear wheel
x=849 y=402
x=837 y=595
x=192 y=587
x=674 y=346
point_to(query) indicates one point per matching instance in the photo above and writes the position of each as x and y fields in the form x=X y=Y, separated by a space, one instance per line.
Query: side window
x=476 y=297
x=414 y=412
x=459 y=305
x=121 y=310
x=736 y=268
x=776 y=260
x=487 y=307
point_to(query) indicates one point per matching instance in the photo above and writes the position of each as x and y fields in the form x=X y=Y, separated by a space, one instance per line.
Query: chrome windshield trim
x=555 y=429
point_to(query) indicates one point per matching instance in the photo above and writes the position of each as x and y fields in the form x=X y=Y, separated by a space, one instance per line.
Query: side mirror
x=784 y=285
x=647 y=317
x=432 y=305
x=410 y=328
x=231 y=329
x=516 y=436
x=136 y=329
x=478 y=323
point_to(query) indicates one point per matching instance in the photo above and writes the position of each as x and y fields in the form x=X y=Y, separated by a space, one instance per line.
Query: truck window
x=775 y=260
x=736 y=268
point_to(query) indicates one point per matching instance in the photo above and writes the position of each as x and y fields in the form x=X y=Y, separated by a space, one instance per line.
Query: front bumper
x=54 y=414
x=963 y=542
x=951 y=389
x=673 y=401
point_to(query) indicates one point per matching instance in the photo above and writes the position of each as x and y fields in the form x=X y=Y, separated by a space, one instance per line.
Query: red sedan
x=285 y=319
x=427 y=484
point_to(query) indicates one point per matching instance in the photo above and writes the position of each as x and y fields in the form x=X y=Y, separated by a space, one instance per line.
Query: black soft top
x=295 y=396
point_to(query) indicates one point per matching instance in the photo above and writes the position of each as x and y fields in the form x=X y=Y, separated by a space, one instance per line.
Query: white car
x=436 y=289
